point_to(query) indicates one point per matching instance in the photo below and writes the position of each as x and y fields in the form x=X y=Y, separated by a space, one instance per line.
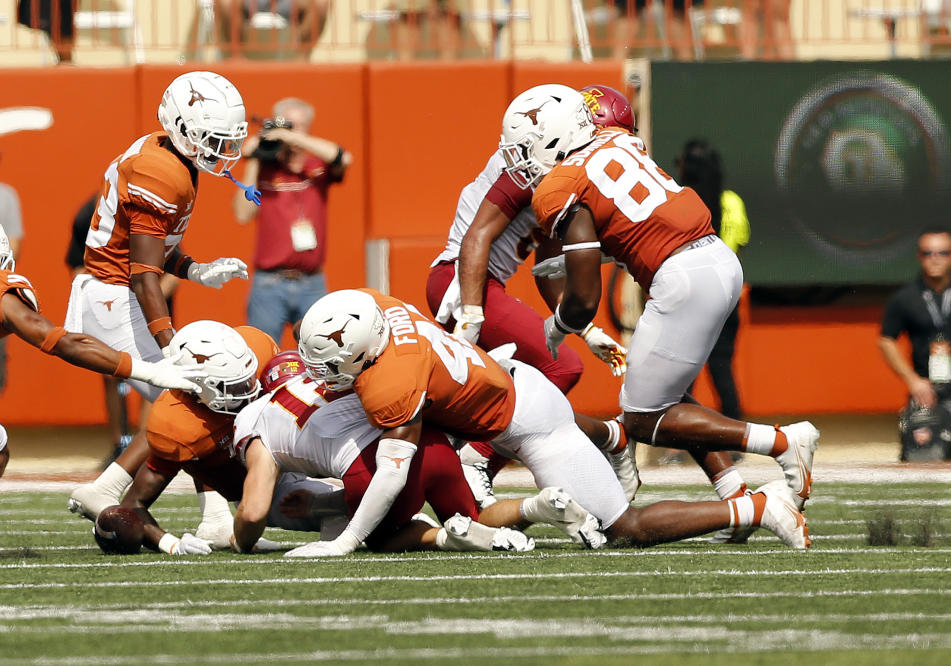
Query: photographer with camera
x=294 y=171
x=922 y=311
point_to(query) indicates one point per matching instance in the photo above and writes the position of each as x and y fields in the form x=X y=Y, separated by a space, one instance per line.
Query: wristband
x=168 y=542
x=159 y=324
x=338 y=159
x=562 y=326
x=4 y=438
x=52 y=338
x=473 y=310
x=124 y=366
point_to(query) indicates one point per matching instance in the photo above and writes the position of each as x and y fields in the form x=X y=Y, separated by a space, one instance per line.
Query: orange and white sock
x=747 y=510
x=729 y=484
x=764 y=440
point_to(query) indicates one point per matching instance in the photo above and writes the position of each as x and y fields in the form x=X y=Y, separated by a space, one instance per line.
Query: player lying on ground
x=194 y=434
x=303 y=426
x=21 y=316
x=406 y=370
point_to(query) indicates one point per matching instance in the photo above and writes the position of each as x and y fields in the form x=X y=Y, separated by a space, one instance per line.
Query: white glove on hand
x=187 y=545
x=605 y=348
x=552 y=269
x=168 y=374
x=553 y=337
x=470 y=323
x=219 y=271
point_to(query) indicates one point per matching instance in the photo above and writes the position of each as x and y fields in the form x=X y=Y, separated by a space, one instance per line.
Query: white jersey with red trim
x=520 y=238
x=306 y=428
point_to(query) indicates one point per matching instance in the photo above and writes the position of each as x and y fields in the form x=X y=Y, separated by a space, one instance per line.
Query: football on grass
x=119 y=531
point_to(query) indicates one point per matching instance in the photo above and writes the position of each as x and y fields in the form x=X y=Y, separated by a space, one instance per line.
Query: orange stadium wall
x=418 y=133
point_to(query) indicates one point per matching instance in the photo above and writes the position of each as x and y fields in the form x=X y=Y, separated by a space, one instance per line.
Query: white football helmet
x=540 y=127
x=220 y=351
x=340 y=336
x=7 y=262
x=203 y=114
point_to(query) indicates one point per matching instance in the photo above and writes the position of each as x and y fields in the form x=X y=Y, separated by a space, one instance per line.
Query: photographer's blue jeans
x=276 y=301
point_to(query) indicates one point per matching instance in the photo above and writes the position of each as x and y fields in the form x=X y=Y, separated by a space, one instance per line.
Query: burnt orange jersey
x=147 y=190
x=17 y=284
x=641 y=214
x=456 y=386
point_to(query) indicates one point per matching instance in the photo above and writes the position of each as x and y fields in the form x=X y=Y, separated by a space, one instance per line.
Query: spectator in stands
x=700 y=167
x=55 y=18
x=677 y=30
x=773 y=17
x=294 y=171
x=12 y=222
x=442 y=18
x=922 y=310
x=306 y=18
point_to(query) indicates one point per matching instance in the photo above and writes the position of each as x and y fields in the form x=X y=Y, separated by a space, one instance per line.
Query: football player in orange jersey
x=407 y=370
x=147 y=200
x=603 y=193
x=194 y=434
x=20 y=313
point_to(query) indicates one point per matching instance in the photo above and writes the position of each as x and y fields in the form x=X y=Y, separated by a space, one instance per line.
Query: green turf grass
x=842 y=602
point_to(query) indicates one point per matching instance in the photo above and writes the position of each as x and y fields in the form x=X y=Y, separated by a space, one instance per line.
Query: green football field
x=841 y=602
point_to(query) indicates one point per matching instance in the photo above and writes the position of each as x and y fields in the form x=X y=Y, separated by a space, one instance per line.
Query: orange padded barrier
x=418 y=134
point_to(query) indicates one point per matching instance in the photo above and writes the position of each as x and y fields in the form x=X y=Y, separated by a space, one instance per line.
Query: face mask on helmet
x=231 y=365
x=540 y=127
x=6 y=254
x=341 y=335
x=203 y=114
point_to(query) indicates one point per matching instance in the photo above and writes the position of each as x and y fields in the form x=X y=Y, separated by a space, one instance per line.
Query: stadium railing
x=116 y=32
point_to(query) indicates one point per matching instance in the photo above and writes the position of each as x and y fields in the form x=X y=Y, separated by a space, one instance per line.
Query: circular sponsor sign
x=861 y=163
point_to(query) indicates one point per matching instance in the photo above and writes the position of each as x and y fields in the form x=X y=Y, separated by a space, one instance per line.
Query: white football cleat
x=625 y=468
x=461 y=533
x=475 y=467
x=556 y=507
x=736 y=534
x=217 y=534
x=88 y=501
x=796 y=460
x=512 y=540
x=782 y=518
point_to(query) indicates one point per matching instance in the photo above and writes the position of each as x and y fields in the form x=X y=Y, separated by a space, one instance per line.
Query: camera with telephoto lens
x=268 y=149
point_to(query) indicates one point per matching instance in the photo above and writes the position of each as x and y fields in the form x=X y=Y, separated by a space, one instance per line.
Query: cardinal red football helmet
x=609 y=107
x=280 y=370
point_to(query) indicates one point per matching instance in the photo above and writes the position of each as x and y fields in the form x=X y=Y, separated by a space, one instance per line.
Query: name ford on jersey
x=401 y=326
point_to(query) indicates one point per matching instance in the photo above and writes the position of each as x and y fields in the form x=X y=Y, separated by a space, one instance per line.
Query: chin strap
x=251 y=193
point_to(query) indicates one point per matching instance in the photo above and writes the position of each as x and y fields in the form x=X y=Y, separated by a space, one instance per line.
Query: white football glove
x=187 y=545
x=219 y=271
x=469 y=324
x=267 y=546
x=333 y=548
x=553 y=337
x=552 y=269
x=168 y=374
x=605 y=348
